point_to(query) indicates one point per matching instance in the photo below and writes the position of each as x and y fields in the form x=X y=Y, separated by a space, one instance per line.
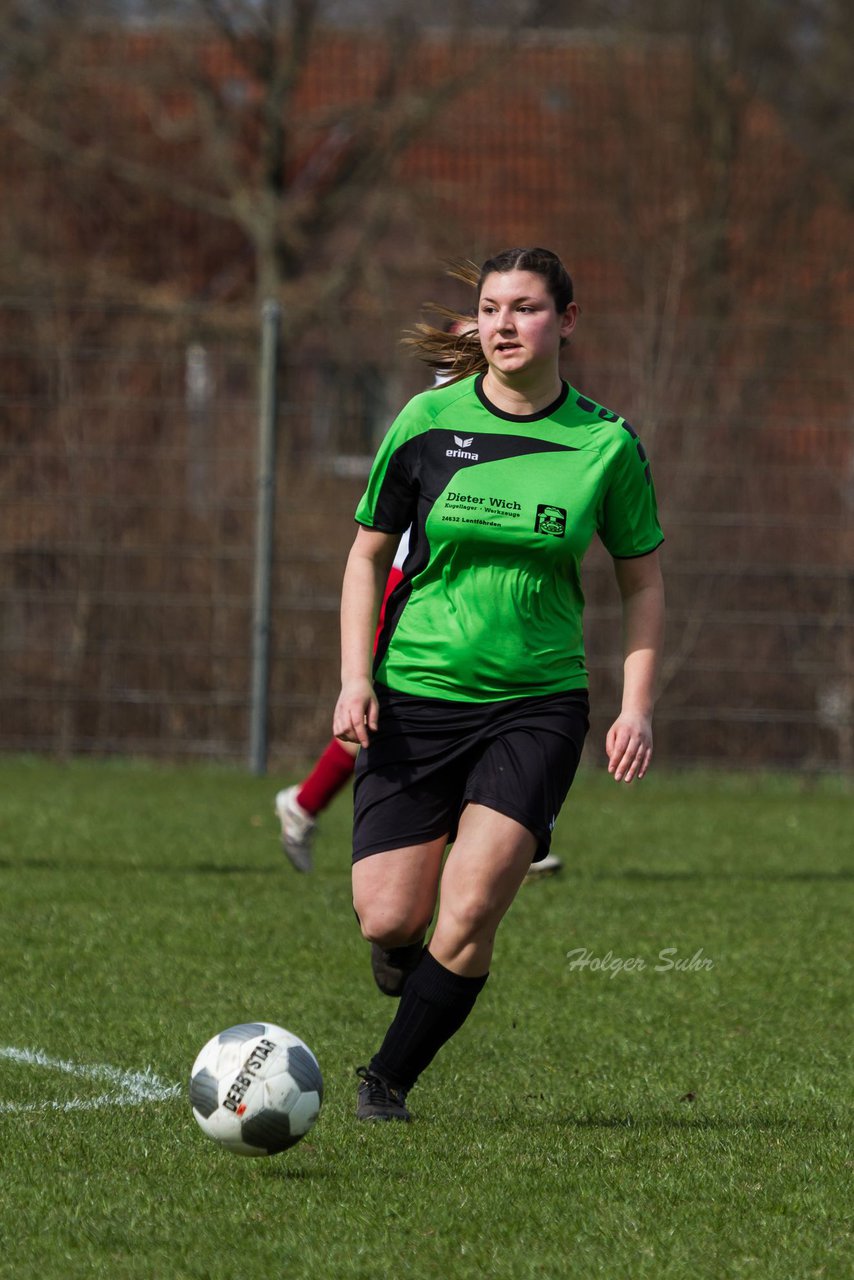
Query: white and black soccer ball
x=256 y=1089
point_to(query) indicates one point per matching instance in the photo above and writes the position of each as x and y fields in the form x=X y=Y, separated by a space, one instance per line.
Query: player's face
x=519 y=327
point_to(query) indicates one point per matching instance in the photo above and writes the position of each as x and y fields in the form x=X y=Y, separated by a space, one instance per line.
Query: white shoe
x=545 y=867
x=298 y=828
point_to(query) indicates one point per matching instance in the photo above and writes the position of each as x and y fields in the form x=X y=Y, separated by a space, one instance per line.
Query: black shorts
x=429 y=758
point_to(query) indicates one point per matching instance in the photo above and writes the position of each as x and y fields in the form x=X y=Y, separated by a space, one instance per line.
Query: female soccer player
x=473 y=712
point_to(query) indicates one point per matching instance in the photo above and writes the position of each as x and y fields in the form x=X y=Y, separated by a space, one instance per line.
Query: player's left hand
x=628 y=746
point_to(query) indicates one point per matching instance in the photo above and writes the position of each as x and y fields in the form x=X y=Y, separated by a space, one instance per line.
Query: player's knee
x=471 y=915
x=390 y=927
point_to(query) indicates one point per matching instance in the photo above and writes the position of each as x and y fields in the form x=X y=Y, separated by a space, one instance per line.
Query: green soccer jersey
x=502 y=509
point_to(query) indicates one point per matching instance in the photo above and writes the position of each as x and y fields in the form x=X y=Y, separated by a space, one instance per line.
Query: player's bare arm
x=368 y=565
x=629 y=740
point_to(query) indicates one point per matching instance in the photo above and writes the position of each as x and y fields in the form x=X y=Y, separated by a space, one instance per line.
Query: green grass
x=584 y=1123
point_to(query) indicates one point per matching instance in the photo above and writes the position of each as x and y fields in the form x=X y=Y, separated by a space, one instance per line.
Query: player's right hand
x=357 y=712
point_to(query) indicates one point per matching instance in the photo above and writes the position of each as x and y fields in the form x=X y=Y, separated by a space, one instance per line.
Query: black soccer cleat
x=378 y=1100
x=392 y=968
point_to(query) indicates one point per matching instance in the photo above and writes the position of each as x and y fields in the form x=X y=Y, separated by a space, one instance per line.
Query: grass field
x=646 y=1121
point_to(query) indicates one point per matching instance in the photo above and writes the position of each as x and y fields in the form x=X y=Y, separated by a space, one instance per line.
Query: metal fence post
x=265 y=496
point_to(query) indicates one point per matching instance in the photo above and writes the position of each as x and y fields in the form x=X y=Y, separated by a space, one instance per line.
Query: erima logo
x=461 y=450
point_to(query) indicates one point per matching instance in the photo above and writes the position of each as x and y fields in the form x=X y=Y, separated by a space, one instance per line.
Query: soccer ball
x=256 y=1089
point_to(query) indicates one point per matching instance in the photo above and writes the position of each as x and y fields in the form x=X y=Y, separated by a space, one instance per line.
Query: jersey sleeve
x=628 y=518
x=388 y=503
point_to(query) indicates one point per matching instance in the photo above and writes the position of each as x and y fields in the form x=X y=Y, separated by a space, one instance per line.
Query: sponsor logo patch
x=551 y=520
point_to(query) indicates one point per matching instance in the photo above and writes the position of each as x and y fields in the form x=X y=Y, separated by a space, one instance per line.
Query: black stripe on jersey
x=417 y=558
x=427 y=463
x=590 y=406
x=441 y=458
x=431 y=457
x=627 y=426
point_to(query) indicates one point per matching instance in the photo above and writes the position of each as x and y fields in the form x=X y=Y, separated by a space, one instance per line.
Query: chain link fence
x=127 y=538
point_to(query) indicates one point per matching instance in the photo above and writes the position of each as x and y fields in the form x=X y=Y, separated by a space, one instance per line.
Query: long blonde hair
x=454 y=350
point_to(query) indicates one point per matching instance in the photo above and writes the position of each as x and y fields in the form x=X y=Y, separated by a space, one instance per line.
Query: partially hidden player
x=298 y=807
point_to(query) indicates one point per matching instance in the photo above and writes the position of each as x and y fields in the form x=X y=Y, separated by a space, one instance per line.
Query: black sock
x=435 y=1004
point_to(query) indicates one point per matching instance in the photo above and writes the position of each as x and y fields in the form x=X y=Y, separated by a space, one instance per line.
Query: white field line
x=127 y=1088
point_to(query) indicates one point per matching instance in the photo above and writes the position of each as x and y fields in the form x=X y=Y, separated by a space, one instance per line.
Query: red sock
x=332 y=771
